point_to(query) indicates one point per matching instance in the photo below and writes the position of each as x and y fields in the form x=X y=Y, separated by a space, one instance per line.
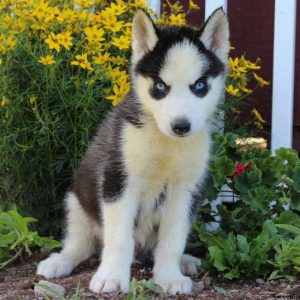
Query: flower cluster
x=242 y=81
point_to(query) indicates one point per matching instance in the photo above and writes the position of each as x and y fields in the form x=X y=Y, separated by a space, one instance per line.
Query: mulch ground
x=17 y=282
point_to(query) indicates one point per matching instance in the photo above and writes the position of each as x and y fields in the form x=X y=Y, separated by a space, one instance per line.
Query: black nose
x=181 y=126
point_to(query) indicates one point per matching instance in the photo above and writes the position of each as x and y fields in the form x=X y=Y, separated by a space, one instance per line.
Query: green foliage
x=16 y=238
x=257 y=236
x=45 y=129
x=139 y=289
x=269 y=253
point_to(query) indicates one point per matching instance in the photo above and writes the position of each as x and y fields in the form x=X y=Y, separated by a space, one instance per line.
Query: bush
x=16 y=239
x=257 y=236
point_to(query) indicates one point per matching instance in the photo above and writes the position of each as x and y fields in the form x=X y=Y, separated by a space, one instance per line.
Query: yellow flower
x=65 y=39
x=6 y=43
x=123 y=42
x=235 y=66
x=175 y=7
x=53 y=42
x=118 y=60
x=116 y=9
x=261 y=82
x=101 y=58
x=116 y=75
x=84 y=3
x=93 y=34
x=111 y=22
x=248 y=64
x=193 y=5
x=46 y=60
x=40 y=10
x=119 y=93
x=82 y=61
x=4 y=101
x=258 y=116
x=176 y=19
x=246 y=90
x=231 y=90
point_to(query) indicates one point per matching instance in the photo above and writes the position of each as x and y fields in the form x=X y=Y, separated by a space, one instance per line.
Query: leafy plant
x=270 y=253
x=264 y=184
x=16 y=239
x=139 y=289
x=257 y=236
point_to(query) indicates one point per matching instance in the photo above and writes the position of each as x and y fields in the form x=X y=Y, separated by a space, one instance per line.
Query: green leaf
x=222 y=167
x=288 y=217
x=296 y=178
x=254 y=177
x=243 y=244
x=152 y=286
x=289 y=228
x=233 y=273
x=289 y=156
x=211 y=239
x=217 y=258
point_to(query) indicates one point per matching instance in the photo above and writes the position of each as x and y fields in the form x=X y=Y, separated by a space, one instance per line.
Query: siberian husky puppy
x=135 y=183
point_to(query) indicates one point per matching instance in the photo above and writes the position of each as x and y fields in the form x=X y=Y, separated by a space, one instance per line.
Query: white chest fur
x=154 y=161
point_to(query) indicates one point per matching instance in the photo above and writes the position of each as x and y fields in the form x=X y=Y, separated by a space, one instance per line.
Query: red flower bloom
x=240 y=169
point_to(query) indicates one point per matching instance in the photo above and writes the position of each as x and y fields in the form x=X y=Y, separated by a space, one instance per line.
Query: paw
x=190 y=265
x=56 y=265
x=180 y=284
x=105 y=282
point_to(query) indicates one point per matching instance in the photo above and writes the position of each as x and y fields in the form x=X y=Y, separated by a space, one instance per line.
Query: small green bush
x=16 y=239
x=258 y=236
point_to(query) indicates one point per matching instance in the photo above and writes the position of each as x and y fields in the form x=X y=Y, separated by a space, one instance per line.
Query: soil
x=17 y=282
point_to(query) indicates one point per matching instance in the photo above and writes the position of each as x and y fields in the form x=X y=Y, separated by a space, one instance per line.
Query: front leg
x=118 y=220
x=173 y=231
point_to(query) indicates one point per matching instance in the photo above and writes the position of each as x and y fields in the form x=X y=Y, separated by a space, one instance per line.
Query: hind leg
x=190 y=265
x=78 y=245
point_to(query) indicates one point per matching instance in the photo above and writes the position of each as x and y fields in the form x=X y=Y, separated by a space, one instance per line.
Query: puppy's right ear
x=144 y=36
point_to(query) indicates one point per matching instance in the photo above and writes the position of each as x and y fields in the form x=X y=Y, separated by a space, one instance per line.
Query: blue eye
x=200 y=86
x=160 y=86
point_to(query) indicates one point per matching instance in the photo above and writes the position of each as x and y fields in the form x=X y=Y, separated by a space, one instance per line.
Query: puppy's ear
x=215 y=34
x=144 y=36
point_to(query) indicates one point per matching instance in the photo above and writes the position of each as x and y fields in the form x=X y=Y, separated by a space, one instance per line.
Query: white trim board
x=283 y=73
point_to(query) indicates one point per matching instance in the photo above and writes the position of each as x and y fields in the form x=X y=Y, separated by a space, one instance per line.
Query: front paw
x=109 y=282
x=56 y=265
x=173 y=285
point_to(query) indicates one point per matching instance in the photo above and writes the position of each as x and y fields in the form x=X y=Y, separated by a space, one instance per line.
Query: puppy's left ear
x=215 y=34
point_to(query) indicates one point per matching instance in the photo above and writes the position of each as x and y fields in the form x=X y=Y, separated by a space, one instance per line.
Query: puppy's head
x=179 y=72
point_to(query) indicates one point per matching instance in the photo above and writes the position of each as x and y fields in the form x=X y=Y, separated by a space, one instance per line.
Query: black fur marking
x=151 y=64
x=200 y=93
x=159 y=201
x=157 y=93
x=101 y=175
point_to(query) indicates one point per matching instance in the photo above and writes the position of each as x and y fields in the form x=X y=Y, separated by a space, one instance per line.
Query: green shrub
x=251 y=240
x=16 y=239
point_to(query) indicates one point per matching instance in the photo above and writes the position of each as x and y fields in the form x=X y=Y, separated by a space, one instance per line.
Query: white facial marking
x=183 y=65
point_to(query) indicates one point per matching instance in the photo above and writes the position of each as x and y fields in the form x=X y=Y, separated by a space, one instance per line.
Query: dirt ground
x=17 y=282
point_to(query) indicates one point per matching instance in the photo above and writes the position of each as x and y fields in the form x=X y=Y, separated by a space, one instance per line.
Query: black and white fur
x=135 y=183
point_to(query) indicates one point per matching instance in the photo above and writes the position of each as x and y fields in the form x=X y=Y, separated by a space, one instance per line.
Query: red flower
x=240 y=169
